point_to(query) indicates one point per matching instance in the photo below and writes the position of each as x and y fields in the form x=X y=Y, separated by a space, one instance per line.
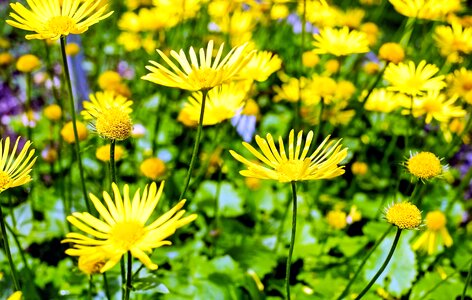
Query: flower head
x=67 y=132
x=28 y=63
x=424 y=165
x=51 y=19
x=413 y=80
x=261 y=66
x=337 y=219
x=392 y=52
x=340 y=42
x=201 y=73
x=15 y=171
x=436 y=231
x=153 y=168
x=103 y=153
x=110 y=113
x=53 y=112
x=124 y=228
x=426 y=9
x=404 y=215
x=297 y=166
x=435 y=105
x=453 y=41
x=460 y=84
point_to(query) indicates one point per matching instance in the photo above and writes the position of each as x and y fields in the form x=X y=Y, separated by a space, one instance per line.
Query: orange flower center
x=432 y=106
x=4 y=180
x=126 y=234
x=62 y=25
x=114 y=124
x=435 y=220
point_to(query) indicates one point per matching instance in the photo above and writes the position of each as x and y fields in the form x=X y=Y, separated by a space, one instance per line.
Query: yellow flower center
x=404 y=215
x=459 y=45
x=62 y=25
x=432 y=106
x=435 y=220
x=293 y=170
x=467 y=84
x=414 y=83
x=126 y=234
x=204 y=77
x=114 y=124
x=4 y=180
x=424 y=165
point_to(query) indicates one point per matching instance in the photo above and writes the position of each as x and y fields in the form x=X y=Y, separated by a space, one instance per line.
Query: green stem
x=358 y=271
x=281 y=228
x=467 y=282
x=129 y=276
x=74 y=125
x=123 y=277
x=90 y=288
x=6 y=246
x=372 y=87
x=105 y=284
x=292 y=239
x=382 y=268
x=112 y=161
x=195 y=147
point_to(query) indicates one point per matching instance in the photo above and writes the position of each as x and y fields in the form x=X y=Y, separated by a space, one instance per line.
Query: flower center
x=61 y=25
x=114 y=124
x=204 y=77
x=467 y=84
x=126 y=234
x=292 y=170
x=435 y=220
x=424 y=165
x=4 y=180
x=432 y=106
x=414 y=83
x=404 y=215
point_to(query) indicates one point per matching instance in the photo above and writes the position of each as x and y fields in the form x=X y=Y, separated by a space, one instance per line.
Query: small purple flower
x=245 y=126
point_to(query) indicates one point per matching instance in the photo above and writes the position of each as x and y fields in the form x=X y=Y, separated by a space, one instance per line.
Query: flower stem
x=195 y=147
x=292 y=239
x=358 y=271
x=74 y=125
x=372 y=87
x=105 y=284
x=384 y=265
x=467 y=282
x=129 y=276
x=6 y=246
x=112 y=161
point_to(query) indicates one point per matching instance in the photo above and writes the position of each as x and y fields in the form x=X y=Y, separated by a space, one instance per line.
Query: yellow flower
x=5 y=58
x=381 y=100
x=261 y=66
x=222 y=103
x=332 y=66
x=15 y=171
x=404 y=215
x=392 y=52
x=198 y=74
x=336 y=219
x=359 y=168
x=310 y=59
x=340 y=42
x=424 y=165
x=92 y=262
x=72 y=49
x=371 y=68
x=413 y=80
x=18 y=295
x=460 y=83
x=103 y=153
x=290 y=90
x=153 y=168
x=28 y=63
x=110 y=113
x=434 y=105
x=108 y=80
x=321 y=164
x=53 y=112
x=354 y=215
x=372 y=31
x=124 y=228
x=50 y=19
x=426 y=9
x=435 y=227
x=453 y=40
x=67 y=132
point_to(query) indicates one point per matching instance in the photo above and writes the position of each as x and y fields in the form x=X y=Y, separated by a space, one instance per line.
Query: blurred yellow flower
x=153 y=168
x=436 y=231
x=50 y=19
x=321 y=164
x=453 y=40
x=198 y=74
x=18 y=295
x=103 y=153
x=72 y=49
x=371 y=68
x=413 y=80
x=460 y=83
x=261 y=66
x=392 y=52
x=359 y=168
x=222 y=103
x=53 y=112
x=336 y=219
x=424 y=165
x=381 y=100
x=5 y=58
x=310 y=59
x=15 y=171
x=404 y=215
x=426 y=9
x=110 y=114
x=28 y=63
x=67 y=132
x=340 y=42
x=108 y=80
x=124 y=228
x=332 y=66
x=435 y=105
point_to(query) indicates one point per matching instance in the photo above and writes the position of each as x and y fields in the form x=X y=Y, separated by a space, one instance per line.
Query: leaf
x=442 y=289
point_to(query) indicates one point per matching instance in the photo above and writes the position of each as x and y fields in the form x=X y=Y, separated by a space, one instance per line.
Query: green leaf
x=433 y=287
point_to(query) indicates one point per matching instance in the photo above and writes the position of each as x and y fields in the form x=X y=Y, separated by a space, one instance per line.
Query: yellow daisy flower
x=336 y=219
x=460 y=83
x=103 y=153
x=15 y=171
x=413 y=80
x=124 y=228
x=436 y=231
x=110 y=113
x=404 y=215
x=340 y=42
x=453 y=40
x=426 y=9
x=424 y=165
x=198 y=74
x=434 y=105
x=321 y=164
x=51 y=19
x=381 y=100
x=261 y=66
x=222 y=103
